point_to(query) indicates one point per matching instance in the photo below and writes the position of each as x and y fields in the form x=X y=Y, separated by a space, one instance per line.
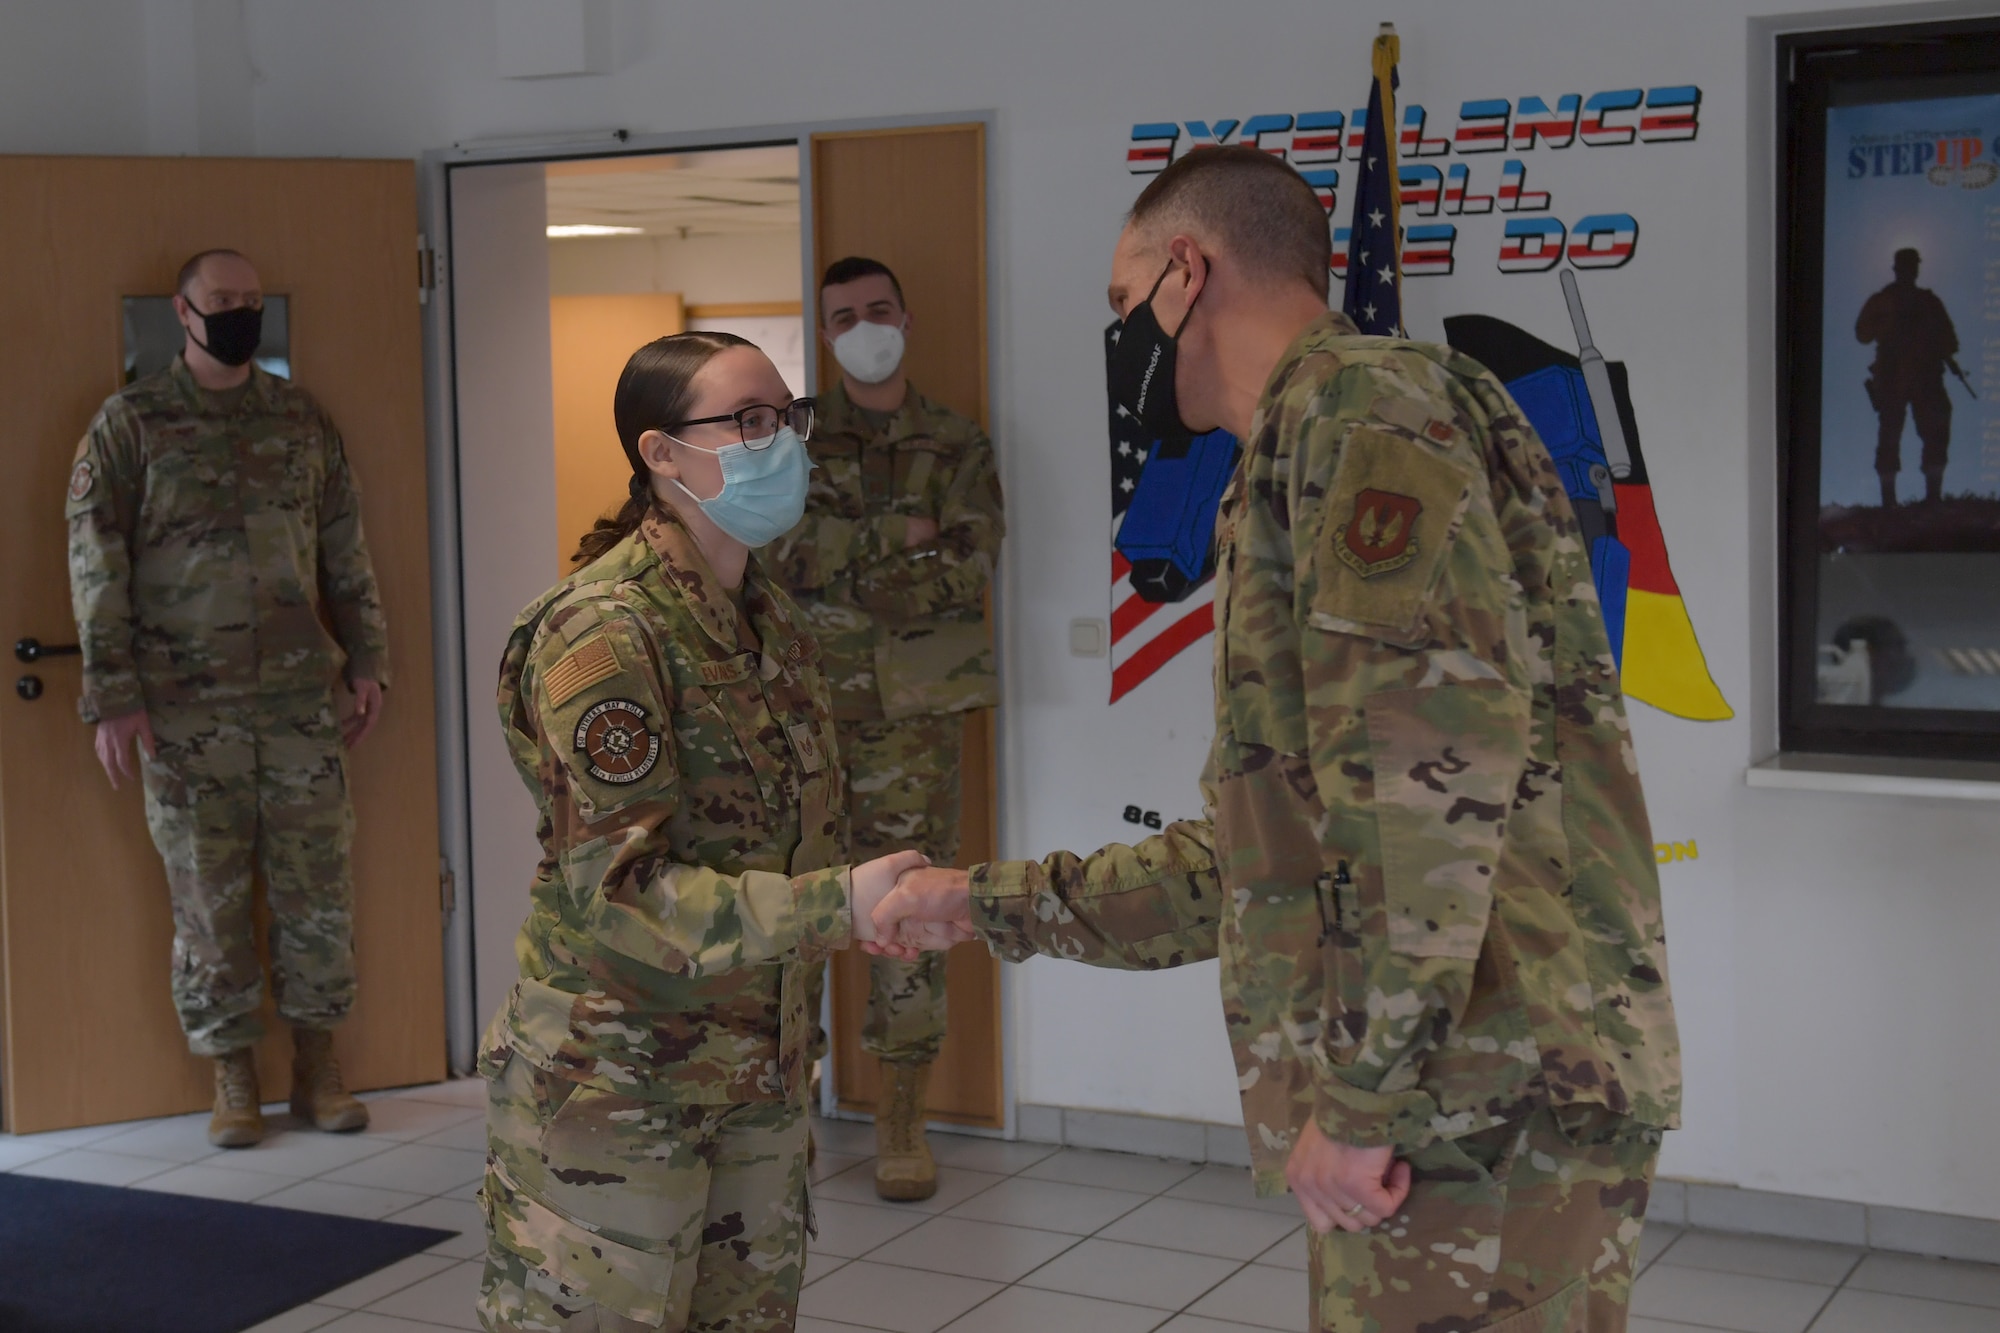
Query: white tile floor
x=1021 y=1238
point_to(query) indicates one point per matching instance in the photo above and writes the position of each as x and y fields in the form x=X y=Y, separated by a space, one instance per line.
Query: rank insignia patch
x=807 y=746
x=615 y=741
x=1382 y=534
x=81 y=479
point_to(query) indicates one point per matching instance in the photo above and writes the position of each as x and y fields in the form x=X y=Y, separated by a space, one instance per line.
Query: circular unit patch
x=81 y=479
x=615 y=741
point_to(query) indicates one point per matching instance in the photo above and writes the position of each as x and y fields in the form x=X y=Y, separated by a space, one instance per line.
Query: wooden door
x=916 y=200
x=90 y=1034
x=590 y=339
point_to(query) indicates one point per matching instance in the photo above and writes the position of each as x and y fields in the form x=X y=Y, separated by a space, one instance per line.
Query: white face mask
x=870 y=352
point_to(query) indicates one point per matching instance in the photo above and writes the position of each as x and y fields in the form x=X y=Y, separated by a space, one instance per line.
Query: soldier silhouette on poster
x=1915 y=343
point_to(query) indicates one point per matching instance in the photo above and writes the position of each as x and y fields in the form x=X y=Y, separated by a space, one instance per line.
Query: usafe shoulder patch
x=583 y=666
x=1380 y=533
x=82 y=478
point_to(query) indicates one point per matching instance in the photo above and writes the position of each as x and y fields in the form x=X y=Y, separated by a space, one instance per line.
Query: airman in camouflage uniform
x=1426 y=863
x=646 y=1122
x=903 y=628
x=208 y=534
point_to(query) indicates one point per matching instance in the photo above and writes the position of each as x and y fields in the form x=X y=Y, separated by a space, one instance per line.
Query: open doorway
x=647 y=245
x=558 y=267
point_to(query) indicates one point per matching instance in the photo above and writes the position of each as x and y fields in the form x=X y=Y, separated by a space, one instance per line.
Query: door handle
x=34 y=650
x=29 y=688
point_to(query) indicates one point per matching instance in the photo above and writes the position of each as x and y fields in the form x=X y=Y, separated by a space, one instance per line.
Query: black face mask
x=231 y=335
x=1139 y=368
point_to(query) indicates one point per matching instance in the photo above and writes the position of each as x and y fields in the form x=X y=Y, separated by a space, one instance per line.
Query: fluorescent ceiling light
x=561 y=229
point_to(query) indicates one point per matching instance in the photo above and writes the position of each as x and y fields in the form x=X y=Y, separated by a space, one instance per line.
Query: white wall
x=703 y=269
x=1829 y=952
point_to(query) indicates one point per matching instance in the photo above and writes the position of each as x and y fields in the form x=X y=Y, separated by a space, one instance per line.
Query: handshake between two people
x=904 y=906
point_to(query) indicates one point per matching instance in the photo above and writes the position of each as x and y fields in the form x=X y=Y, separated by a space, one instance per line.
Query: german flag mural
x=1582 y=408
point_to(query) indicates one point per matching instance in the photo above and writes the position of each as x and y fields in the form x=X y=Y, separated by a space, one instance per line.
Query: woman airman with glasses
x=646 y=1121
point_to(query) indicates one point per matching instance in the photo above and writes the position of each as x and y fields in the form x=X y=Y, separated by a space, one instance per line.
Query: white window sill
x=1951 y=779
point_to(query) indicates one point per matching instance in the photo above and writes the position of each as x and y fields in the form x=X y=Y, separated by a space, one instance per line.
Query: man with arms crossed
x=211 y=516
x=1427 y=866
x=890 y=564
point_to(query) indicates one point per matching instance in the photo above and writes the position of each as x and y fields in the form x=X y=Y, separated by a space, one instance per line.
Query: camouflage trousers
x=605 y=1214
x=235 y=790
x=902 y=779
x=1529 y=1228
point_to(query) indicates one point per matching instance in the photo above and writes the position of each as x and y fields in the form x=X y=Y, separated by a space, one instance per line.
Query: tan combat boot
x=238 y=1122
x=904 y=1168
x=318 y=1096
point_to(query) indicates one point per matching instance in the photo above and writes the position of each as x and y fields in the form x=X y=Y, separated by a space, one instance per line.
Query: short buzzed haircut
x=855 y=267
x=192 y=269
x=1251 y=206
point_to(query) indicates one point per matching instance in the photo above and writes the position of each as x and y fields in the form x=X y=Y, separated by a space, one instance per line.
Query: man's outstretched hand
x=871 y=881
x=929 y=909
x=1343 y=1186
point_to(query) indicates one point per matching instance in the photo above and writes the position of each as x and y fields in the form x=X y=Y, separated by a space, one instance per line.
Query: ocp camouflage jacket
x=1427 y=867
x=692 y=825
x=202 y=542
x=903 y=629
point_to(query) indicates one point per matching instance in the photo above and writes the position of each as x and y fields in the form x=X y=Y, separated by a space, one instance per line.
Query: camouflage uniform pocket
x=1342 y=943
x=1446 y=760
x=1565 y=1312
x=937 y=666
x=631 y=1283
x=163 y=776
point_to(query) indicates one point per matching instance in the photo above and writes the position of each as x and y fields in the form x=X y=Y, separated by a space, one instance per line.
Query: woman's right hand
x=871 y=882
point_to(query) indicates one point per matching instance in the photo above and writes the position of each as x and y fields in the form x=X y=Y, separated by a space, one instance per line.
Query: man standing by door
x=891 y=563
x=214 y=535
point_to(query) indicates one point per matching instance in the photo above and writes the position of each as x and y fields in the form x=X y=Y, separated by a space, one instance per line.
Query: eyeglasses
x=759 y=422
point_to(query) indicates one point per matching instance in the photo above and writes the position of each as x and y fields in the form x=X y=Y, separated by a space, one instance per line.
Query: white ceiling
x=727 y=192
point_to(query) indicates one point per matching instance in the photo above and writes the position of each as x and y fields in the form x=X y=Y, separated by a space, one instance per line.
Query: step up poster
x=1909 y=482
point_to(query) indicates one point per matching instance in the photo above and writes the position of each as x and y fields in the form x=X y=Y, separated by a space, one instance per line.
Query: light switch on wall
x=1086 y=638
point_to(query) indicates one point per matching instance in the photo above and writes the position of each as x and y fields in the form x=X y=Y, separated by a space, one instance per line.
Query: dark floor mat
x=92 y=1259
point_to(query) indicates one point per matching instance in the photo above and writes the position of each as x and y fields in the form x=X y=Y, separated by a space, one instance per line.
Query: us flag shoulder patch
x=583 y=666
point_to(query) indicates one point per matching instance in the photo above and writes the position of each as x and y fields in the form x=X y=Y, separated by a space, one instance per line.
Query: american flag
x=1374 y=295
x=1163 y=563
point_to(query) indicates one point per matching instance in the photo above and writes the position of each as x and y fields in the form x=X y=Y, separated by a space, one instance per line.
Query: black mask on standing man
x=230 y=336
x=1139 y=368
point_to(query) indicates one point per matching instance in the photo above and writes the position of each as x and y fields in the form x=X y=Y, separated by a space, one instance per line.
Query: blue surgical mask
x=763 y=493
